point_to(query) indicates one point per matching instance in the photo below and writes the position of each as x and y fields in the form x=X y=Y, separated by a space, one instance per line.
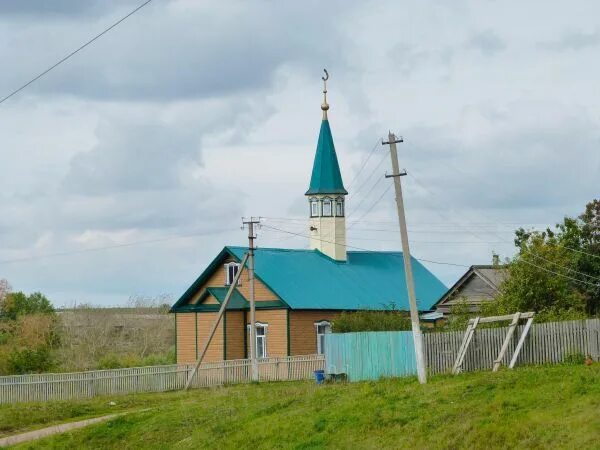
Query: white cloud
x=192 y=114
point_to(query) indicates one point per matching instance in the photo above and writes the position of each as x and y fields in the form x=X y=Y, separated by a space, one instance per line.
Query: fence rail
x=67 y=386
x=546 y=343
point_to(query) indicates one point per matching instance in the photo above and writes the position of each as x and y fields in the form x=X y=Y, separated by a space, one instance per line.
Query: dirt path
x=55 y=429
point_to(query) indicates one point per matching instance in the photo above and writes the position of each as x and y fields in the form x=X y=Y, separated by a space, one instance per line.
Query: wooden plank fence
x=546 y=343
x=67 y=386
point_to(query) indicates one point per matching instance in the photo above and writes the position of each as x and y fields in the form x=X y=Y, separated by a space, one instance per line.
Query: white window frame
x=327 y=201
x=314 y=207
x=339 y=203
x=228 y=278
x=261 y=340
x=322 y=323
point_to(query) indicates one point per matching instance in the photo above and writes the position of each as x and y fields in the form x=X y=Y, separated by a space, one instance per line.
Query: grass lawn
x=543 y=407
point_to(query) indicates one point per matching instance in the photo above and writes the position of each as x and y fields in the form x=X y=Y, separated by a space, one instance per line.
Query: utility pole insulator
x=410 y=284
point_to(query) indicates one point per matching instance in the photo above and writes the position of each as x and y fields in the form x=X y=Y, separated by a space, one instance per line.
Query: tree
x=556 y=272
x=17 y=304
x=581 y=236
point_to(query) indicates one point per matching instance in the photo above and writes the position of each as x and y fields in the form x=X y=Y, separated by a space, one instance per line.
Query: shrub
x=29 y=360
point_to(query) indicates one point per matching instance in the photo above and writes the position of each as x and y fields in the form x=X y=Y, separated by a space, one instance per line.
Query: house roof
x=237 y=301
x=432 y=316
x=326 y=176
x=492 y=275
x=308 y=279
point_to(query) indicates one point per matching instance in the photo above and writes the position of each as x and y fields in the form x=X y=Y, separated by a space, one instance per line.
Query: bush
x=29 y=360
x=355 y=321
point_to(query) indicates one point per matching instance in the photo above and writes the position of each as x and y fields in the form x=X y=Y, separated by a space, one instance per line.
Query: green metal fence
x=368 y=355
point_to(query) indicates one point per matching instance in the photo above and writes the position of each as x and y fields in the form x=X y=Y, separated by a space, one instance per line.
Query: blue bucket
x=319 y=376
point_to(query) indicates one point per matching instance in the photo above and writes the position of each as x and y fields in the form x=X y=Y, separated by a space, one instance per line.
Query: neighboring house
x=298 y=292
x=478 y=285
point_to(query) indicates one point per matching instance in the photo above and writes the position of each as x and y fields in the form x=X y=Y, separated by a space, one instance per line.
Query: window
x=339 y=207
x=261 y=339
x=327 y=208
x=323 y=327
x=314 y=207
x=231 y=270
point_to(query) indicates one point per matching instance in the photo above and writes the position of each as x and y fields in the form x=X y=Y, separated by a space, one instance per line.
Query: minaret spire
x=326 y=193
x=325 y=105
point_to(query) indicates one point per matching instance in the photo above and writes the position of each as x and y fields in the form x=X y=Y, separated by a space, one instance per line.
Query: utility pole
x=251 y=237
x=410 y=285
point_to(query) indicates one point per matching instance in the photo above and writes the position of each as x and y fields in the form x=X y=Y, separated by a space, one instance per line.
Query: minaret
x=326 y=194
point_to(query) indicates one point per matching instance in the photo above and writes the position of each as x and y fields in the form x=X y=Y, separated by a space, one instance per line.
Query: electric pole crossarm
x=410 y=285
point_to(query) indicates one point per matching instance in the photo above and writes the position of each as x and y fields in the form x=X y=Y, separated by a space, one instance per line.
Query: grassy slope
x=533 y=407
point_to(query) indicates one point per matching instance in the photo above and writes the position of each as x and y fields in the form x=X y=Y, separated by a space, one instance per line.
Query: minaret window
x=339 y=207
x=327 y=208
x=314 y=207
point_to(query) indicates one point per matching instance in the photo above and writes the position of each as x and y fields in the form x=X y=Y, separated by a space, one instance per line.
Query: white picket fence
x=546 y=343
x=66 y=386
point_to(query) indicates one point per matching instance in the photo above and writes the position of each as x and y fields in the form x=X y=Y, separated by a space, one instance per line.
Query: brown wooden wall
x=215 y=349
x=303 y=334
x=277 y=344
x=261 y=292
x=235 y=334
x=186 y=337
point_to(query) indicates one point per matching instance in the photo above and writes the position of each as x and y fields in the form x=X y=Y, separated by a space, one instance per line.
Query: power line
x=353 y=195
x=372 y=206
x=437 y=224
x=356 y=248
x=110 y=247
x=364 y=164
x=539 y=257
x=37 y=77
x=562 y=274
x=464 y=173
x=366 y=196
x=437 y=262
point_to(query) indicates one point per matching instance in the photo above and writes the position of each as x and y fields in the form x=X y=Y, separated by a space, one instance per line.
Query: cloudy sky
x=127 y=168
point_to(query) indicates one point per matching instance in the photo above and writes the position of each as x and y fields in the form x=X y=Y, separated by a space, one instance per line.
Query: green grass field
x=544 y=407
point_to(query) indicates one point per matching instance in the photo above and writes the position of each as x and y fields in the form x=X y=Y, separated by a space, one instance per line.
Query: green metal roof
x=308 y=279
x=326 y=176
x=237 y=301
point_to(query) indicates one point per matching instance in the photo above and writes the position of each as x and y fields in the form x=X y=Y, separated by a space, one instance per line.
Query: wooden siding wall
x=235 y=328
x=277 y=344
x=261 y=292
x=303 y=334
x=186 y=337
x=216 y=349
x=474 y=290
